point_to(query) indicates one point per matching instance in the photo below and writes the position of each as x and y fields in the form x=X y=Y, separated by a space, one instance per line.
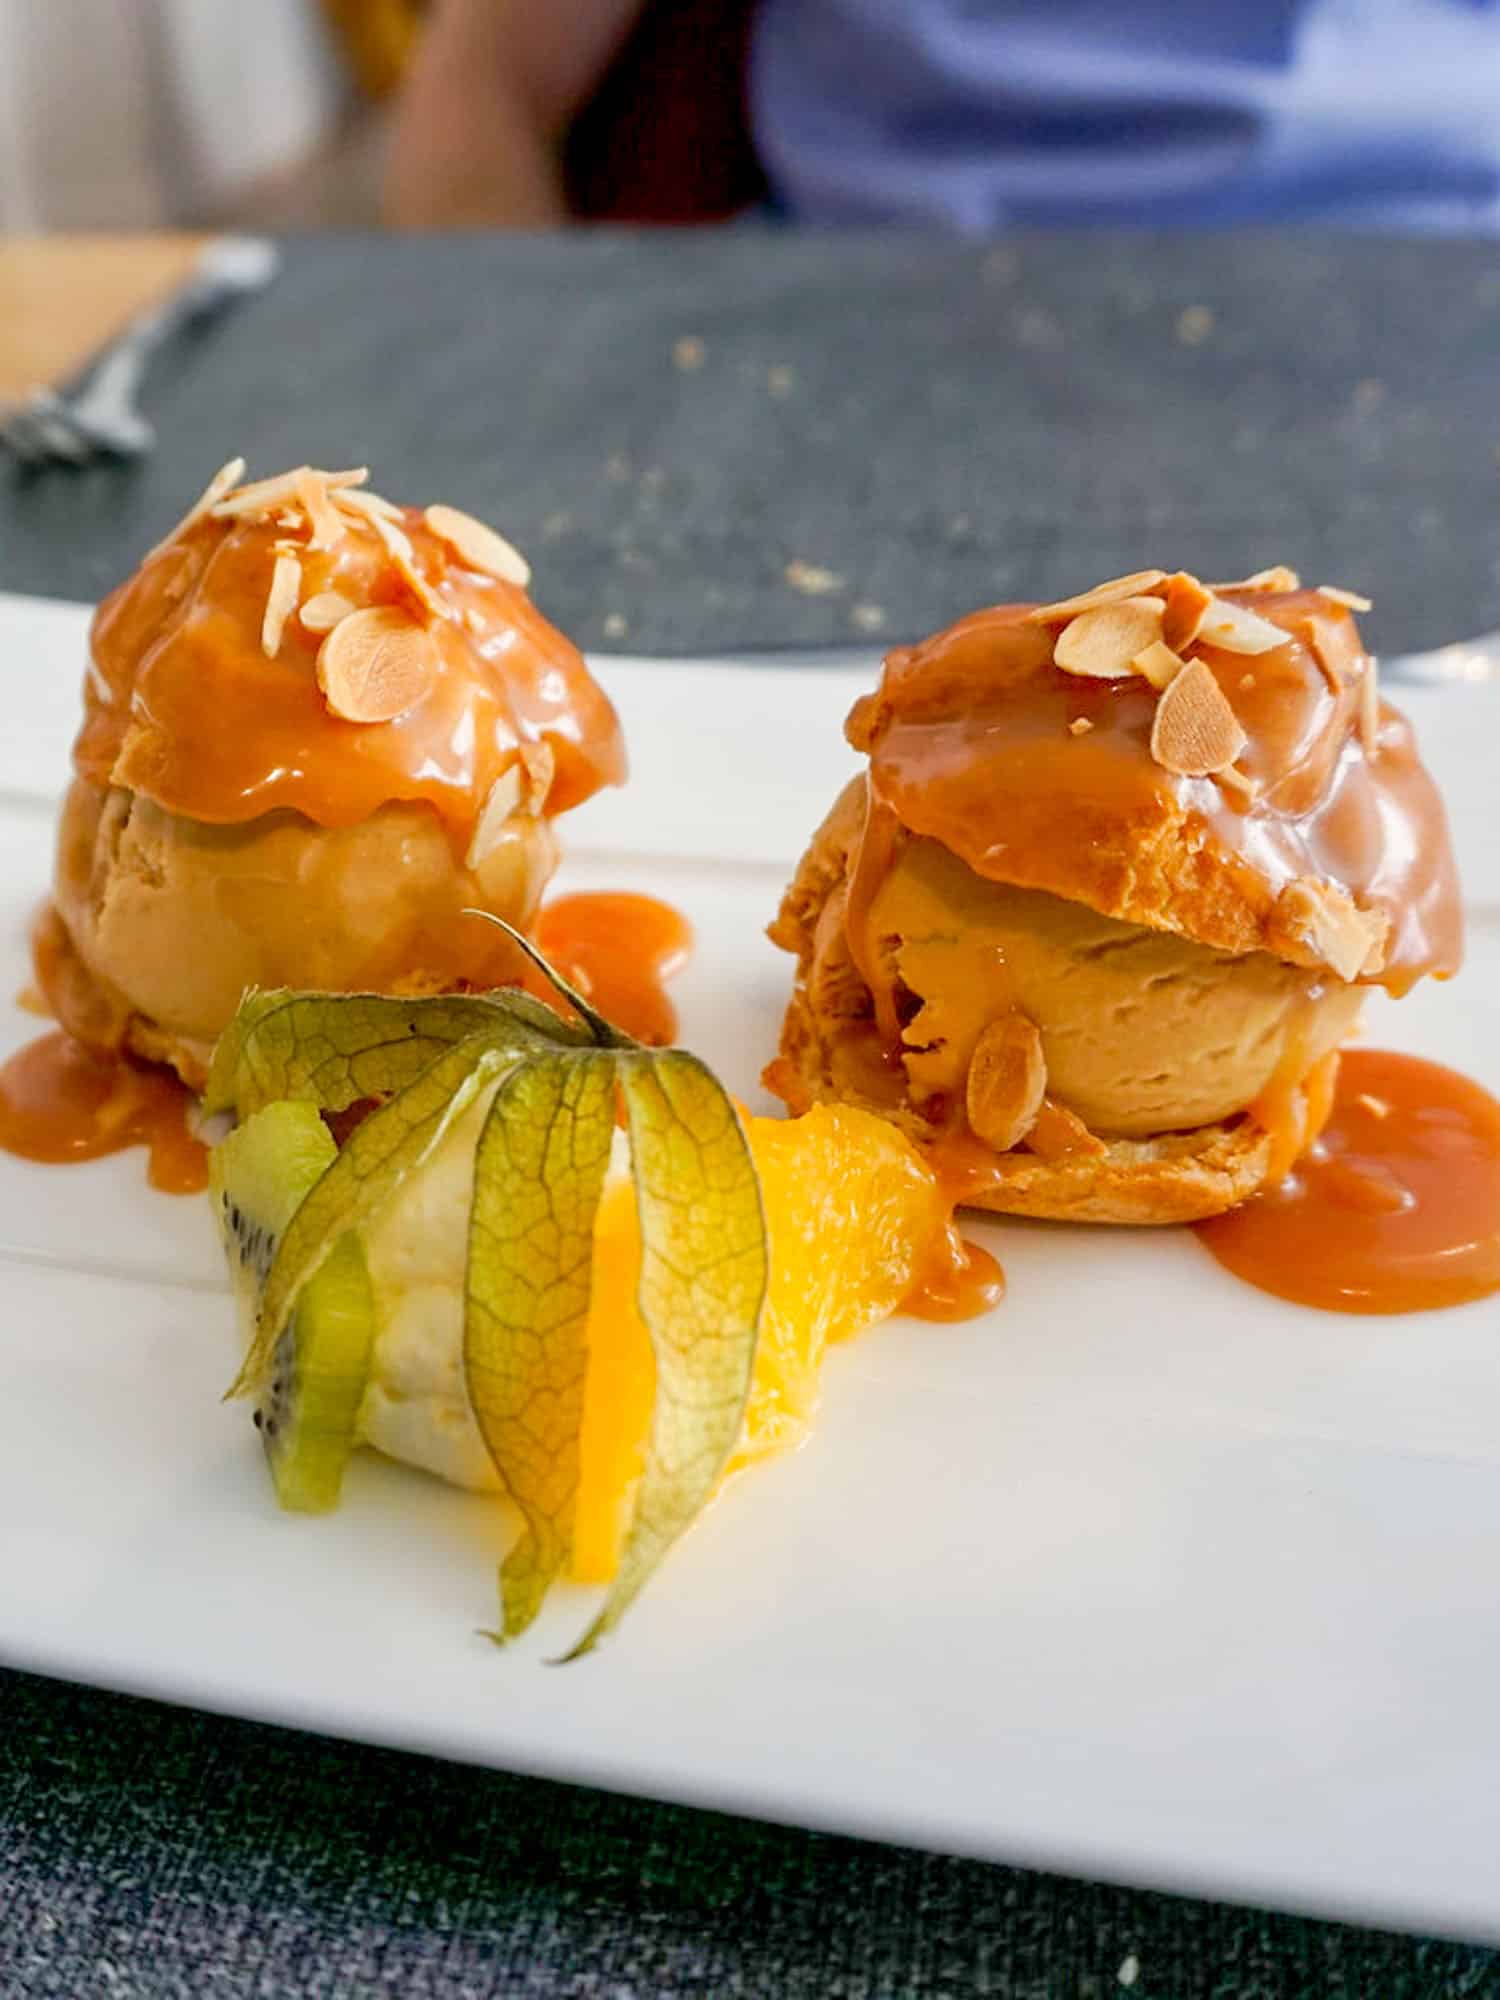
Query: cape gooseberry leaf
x=332 y=1049
x=704 y=1266
x=335 y=1049
x=538 y=1171
x=392 y=1142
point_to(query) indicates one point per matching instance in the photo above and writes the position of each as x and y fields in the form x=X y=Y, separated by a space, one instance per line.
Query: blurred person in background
x=970 y=115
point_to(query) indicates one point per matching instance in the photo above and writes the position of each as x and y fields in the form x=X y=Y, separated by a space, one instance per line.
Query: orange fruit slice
x=852 y=1212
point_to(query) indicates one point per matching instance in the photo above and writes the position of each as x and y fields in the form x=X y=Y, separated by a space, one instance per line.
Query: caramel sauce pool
x=956 y=1280
x=1395 y=1209
x=618 y=950
x=59 y=1102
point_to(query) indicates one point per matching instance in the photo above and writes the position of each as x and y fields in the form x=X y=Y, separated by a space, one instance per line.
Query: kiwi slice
x=307 y=1412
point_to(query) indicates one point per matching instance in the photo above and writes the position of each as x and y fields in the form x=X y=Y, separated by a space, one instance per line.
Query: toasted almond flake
x=1350 y=599
x=266 y=496
x=540 y=762
x=1234 y=629
x=224 y=481
x=1079 y=726
x=1187 y=601
x=1376 y=1106
x=290 y=519
x=1139 y=583
x=397 y=545
x=1277 y=578
x=323 y=611
x=1101 y=643
x=366 y=502
x=1006 y=1083
x=375 y=664
x=1158 y=664
x=1196 y=733
x=281 y=602
x=1369 y=707
x=328 y=524
x=1234 y=782
x=478 y=545
x=504 y=799
x=1315 y=921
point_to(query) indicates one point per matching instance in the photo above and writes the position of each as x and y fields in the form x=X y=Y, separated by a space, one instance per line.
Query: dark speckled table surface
x=709 y=443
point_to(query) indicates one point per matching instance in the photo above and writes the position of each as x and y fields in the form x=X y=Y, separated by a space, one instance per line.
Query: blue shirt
x=978 y=114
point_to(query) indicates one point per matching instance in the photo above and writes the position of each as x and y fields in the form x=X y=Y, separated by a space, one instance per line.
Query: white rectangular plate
x=1143 y=1575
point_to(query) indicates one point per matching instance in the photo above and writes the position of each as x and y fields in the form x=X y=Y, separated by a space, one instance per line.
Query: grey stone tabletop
x=737 y=440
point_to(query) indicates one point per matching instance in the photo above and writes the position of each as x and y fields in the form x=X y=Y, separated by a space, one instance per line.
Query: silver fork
x=104 y=415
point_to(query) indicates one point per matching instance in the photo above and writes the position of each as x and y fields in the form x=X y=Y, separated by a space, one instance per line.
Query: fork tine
x=20 y=433
x=59 y=434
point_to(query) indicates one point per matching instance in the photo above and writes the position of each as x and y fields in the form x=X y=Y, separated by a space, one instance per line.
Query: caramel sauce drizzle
x=1396 y=1207
x=59 y=1102
x=183 y=704
x=618 y=950
x=969 y=742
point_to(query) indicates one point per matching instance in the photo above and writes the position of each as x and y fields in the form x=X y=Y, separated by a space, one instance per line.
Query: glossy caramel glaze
x=59 y=1102
x=1395 y=1209
x=617 y=950
x=183 y=705
x=970 y=741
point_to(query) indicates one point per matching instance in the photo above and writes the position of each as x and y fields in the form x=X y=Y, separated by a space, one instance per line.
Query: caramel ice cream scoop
x=1094 y=921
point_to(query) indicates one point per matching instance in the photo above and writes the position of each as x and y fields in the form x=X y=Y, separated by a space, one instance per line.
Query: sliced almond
x=1187 y=601
x=479 y=546
x=323 y=611
x=375 y=664
x=1369 y=707
x=1235 y=785
x=1100 y=644
x=1277 y=578
x=224 y=481
x=1350 y=599
x=290 y=519
x=1137 y=584
x=281 y=602
x=398 y=547
x=268 y=496
x=1234 y=629
x=1079 y=726
x=540 y=761
x=504 y=798
x=366 y=502
x=1196 y=733
x=1007 y=1081
x=1316 y=921
x=1159 y=665
x=328 y=524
